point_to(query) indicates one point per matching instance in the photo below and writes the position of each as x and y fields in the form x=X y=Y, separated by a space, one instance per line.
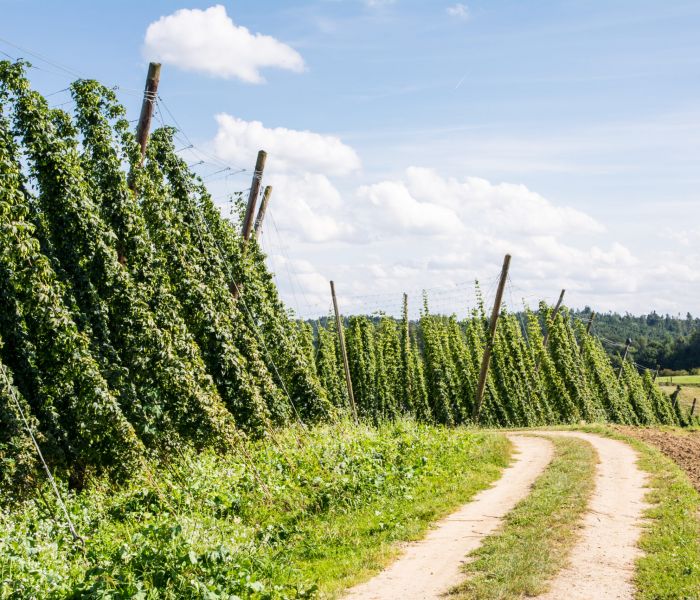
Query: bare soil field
x=682 y=446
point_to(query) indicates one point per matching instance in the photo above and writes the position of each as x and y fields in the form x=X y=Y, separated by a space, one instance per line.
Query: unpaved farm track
x=430 y=567
x=602 y=561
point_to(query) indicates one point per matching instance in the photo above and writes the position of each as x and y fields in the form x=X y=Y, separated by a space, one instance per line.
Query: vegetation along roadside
x=333 y=504
x=536 y=537
x=670 y=566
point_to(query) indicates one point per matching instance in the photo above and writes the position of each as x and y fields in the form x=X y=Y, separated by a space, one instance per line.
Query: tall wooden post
x=486 y=360
x=656 y=373
x=344 y=352
x=545 y=341
x=262 y=210
x=557 y=306
x=150 y=94
x=692 y=408
x=406 y=332
x=674 y=397
x=628 y=343
x=590 y=323
x=253 y=196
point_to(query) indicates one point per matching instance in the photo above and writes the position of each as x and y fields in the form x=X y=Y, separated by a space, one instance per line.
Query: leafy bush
x=249 y=525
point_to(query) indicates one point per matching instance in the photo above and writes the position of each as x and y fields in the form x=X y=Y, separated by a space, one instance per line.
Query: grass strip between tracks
x=536 y=537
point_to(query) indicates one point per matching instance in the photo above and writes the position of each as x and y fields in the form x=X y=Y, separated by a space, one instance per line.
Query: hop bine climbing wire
x=12 y=392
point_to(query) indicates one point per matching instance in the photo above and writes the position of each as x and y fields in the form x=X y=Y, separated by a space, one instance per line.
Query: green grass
x=680 y=379
x=534 y=542
x=686 y=395
x=338 y=499
x=670 y=568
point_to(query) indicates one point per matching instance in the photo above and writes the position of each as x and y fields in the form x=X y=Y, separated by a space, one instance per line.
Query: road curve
x=430 y=567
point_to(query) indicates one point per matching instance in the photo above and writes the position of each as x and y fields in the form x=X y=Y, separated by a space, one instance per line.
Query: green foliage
x=671 y=342
x=122 y=326
x=49 y=356
x=202 y=526
x=430 y=370
x=136 y=319
x=18 y=459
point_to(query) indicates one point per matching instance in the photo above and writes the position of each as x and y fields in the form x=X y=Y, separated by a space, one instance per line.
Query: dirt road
x=602 y=561
x=430 y=567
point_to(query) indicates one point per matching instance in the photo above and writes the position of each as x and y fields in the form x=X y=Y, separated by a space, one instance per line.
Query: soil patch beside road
x=683 y=447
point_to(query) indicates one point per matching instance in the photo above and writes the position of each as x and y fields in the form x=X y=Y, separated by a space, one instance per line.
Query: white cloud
x=209 y=41
x=459 y=11
x=427 y=203
x=423 y=229
x=397 y=212
x=685 y=237
x=307 y=206
x=289 y=150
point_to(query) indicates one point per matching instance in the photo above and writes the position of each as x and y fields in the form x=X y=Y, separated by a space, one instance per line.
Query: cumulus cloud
x=425 y=202
x=289 y=149
x=423 y=229
x=308 y=205
x=459 y=11
x=208 y=41
x=399 y=212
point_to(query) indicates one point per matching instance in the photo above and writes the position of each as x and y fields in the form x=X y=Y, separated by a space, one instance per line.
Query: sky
x=412 y=144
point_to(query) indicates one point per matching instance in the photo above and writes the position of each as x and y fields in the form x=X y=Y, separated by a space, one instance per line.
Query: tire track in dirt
x=602 y=562
x=430 y=567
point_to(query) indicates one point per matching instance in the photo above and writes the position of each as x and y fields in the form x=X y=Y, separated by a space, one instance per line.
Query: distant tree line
x=664 y=340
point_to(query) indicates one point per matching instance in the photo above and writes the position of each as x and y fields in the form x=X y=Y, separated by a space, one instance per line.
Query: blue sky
x=439 y=135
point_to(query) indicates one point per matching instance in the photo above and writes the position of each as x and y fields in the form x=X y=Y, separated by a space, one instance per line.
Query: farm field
x=170 y=428
x=686 y=396
x=681 y=445
x=679 y=380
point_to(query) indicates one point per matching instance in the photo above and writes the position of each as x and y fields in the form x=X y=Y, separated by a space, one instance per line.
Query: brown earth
x=681 y=446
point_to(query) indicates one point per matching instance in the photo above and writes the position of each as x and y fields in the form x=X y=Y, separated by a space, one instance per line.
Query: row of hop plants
x=135 y=321
x=429 y=369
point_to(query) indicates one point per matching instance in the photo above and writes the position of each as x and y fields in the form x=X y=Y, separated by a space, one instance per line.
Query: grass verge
x=202 y=526
x=536 y=537
x=670 y=568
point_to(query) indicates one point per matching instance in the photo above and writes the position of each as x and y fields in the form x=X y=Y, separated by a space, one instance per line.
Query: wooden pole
x=545 y=341
x=262 y=210
x=486 y=360
x=344 y=352
x=404 y=312
x=692 y=408
x=150 y=94
x=590 y=323
x=628 y=343
x=674 y=397
x=253 y=196
x=656 y=373
x=557 y=306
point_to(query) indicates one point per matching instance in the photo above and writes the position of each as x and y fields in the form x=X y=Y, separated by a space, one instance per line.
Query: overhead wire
x=52 y=481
